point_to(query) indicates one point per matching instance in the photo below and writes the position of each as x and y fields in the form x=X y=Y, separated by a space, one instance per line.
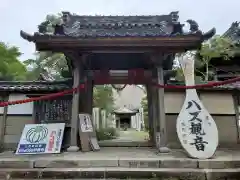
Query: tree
x=10 y=66
x=45 y=63
x=54 y=64
x=103 y=97
x=217 y=47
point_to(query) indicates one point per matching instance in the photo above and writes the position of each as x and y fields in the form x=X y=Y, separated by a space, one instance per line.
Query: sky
x=27 y=14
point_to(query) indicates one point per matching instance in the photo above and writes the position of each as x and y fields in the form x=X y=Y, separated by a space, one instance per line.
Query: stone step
x=120 y=173
x=122 y=163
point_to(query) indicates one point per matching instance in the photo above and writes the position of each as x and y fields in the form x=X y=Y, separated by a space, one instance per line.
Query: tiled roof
x=124 y=110
x=34 y=86
x=48 y=86
x=232 y=86
x=120 y=26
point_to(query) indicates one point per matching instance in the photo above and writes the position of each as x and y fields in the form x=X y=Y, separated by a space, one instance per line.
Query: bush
x=106 y=133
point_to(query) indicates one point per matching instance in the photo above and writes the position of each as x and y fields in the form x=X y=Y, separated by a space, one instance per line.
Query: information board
x=41 y=138
x=86 y=123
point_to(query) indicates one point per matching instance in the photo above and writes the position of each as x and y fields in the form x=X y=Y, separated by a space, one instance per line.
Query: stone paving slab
x=121 y=173
x=120 y=157
x=120 y=153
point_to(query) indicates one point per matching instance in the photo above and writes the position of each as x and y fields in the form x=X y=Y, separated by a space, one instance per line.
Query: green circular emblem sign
x=36 y=134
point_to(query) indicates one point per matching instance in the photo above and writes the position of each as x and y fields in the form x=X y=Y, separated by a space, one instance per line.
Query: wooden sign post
x=87 y=133
x=196 y=128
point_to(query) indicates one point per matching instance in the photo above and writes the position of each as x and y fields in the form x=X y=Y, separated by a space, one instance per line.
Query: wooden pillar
x=4 y=121
x=75 y=107
x=89 y=95
x=161 y=112
x=236 y=102
x=150 y=112
x=161 y=130
x=155 y=116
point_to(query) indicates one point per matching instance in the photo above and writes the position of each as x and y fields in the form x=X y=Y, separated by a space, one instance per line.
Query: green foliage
x=54 y=64
x=144 y=104
x=47 y=62
x=107 y=133
x=47 y=26
x=10 y=66
x=103 y=97
x=217 y=47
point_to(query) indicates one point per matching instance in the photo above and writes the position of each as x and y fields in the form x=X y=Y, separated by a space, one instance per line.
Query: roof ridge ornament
x=175 y=16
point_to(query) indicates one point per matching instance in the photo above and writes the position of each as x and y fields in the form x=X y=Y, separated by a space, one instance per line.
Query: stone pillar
x=138 y=121
x=103 y=118
x=161 y=113
x=75 y=107
x=114 y=121
x=142 y=123
x=96 y=117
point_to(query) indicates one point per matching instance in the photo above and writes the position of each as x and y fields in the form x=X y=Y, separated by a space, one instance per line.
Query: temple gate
x=94 y=46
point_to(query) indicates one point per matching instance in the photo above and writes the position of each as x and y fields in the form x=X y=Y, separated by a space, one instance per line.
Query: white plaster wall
x=1 y=110
x=26 y=108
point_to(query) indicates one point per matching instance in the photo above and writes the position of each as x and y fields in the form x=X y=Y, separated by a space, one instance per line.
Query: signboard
x=85 y=123
x=41 y=139
x=196 y=129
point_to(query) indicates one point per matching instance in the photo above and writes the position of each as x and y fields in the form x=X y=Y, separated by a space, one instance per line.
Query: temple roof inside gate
x=89 y=27
x=125 y=111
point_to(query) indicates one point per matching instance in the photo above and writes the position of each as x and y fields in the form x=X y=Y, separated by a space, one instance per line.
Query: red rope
x=82 y=86
x=48 y=96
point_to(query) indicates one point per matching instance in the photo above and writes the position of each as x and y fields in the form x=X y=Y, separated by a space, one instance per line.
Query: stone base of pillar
x=164 y=150
x=73 y=149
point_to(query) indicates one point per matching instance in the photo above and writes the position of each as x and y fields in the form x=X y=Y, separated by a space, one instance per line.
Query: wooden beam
x=169 y=44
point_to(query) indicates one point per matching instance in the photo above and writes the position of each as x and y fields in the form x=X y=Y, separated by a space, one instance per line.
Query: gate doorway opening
x=125 y=123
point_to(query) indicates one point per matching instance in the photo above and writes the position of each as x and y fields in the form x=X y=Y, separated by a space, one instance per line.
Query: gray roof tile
x=26 y=86
x=119 y=26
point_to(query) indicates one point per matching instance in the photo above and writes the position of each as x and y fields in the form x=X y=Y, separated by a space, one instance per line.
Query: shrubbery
x=107 y=134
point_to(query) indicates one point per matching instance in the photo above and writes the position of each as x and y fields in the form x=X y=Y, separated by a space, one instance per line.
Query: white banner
x=41 y=139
